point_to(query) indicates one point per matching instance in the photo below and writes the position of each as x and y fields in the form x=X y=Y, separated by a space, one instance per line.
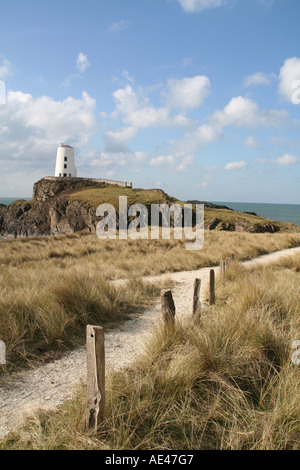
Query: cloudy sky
x=197 y=97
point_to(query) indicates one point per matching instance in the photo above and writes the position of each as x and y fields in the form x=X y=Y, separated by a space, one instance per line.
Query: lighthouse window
x=65 y=165
x=66 y=159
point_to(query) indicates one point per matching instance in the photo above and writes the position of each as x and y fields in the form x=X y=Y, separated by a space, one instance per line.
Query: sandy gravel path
x=48 y=386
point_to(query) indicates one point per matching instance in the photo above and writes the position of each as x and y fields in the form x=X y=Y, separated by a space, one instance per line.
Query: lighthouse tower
x=65 y=162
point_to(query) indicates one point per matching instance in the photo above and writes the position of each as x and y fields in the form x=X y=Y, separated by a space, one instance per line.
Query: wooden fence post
x=212 y=297
x=196 y=297
x=2 y=353
x=227 y=263
x=222 y=267
x=95 y=353
x=232 y=257
x=168 y=307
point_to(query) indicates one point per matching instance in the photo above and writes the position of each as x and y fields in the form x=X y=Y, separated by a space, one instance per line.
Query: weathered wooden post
x=222 y=267
x=2 y=353
x=95 y=353
x=212 y=297
x=168 y=307
x=232 y=257
x=227 y=263
x=196 y=297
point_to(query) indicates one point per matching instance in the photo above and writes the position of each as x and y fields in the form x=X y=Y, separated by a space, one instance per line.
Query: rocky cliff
x=62 y=206
x=51 y=211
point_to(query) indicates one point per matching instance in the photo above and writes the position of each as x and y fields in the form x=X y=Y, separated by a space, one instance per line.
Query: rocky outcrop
x=238 y=224
x=53 y=211
x=50 y=186
x=53 y=217
x=209 y=205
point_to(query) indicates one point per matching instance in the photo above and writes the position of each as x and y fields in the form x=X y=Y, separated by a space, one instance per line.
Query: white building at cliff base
x=65 y=162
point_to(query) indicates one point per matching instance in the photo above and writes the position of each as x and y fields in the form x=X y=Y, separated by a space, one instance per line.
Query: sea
x=9 y=200
x=280 y=212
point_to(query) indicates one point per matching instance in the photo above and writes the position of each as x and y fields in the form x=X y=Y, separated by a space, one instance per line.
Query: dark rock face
x=209 y=205
x=50 y=212
x=22 y=219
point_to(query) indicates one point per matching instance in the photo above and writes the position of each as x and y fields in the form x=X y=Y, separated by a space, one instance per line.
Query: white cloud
x=101 y=160
x=192 y=6
x=258 y=78
x=264 y=161
x=241 y=165
x=285 y=142
x=107 y=161
x=138 y=113
x=184 y=163
x=118 y=26
x=116 y=139
x=126 y=100
x=289 y=74
x=266 y=3
x=32 y=130
x=239 y=111
x=287 y=159
x=70 y=117
x=252 y=143
x=162 y=160
x=185 y=148
x=124 y=134
x=6 y=69
x=188 y=92
x=82 y=62
x=139 y=156
x=198 y=138
x=186 y=62
x=283 y=160
x=148 y=116
x=35 y=126
x=178 y=162
x=182 y=151
x=244 y=112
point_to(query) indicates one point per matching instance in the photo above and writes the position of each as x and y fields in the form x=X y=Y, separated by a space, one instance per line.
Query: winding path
x=48 y=386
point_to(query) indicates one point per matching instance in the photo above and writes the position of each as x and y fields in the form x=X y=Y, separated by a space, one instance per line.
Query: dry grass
x=131 y=258
x=52 y=287
x=40 y=317
x=110 y=195
x=225 y=381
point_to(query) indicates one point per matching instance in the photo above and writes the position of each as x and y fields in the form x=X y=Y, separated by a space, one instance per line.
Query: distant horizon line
x=211 y=201
x=249 y=202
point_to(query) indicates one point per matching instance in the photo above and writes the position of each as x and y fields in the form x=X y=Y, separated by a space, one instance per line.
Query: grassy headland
x=223 y=219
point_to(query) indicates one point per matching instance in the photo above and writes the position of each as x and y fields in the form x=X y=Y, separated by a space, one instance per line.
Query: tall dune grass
x=131 y=258
x=224 y=381
x=50 y=287
x=46 y=313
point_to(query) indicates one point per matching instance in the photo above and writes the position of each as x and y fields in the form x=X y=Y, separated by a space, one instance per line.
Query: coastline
x=276 y=212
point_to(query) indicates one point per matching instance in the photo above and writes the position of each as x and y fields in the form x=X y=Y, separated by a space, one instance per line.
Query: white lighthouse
x=65 y=162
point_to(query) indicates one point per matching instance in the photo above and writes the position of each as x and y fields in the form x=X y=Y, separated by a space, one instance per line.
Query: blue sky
x=197 y=97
